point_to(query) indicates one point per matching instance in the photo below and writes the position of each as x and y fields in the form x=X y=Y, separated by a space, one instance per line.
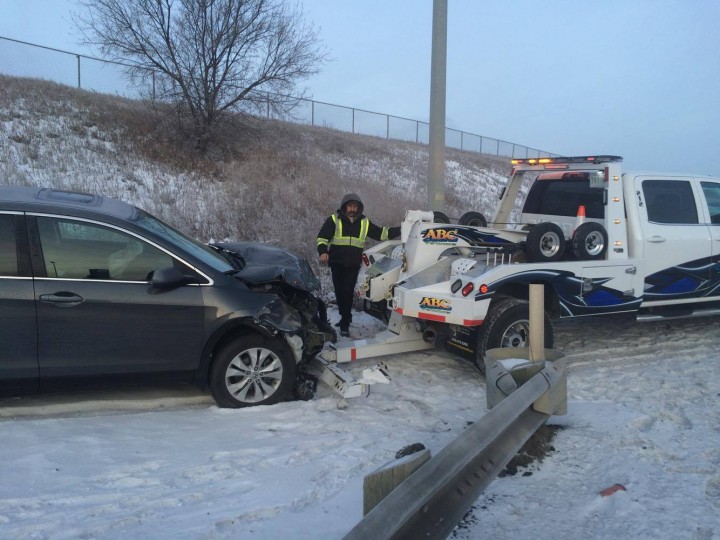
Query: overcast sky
x=637 y=78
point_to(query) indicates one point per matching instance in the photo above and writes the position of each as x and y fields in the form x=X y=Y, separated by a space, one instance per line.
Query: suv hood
x=262 y=263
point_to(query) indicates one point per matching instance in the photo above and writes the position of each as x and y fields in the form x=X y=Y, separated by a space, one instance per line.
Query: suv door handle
x=62 y=299
x=656 y=239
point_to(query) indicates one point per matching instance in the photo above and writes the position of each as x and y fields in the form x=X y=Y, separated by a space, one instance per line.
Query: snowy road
x=644 y=412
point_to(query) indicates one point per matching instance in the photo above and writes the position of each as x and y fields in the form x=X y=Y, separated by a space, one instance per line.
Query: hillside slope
x=271 y=181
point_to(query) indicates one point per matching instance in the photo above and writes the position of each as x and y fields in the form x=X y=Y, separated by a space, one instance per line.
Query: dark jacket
x=349 y=255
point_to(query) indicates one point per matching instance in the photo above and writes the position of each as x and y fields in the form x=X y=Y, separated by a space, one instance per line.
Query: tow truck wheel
x=590 y=241
x=508 y=325
x=439 y=217
x=252 y=370
x=545 y=243
x=474 y=219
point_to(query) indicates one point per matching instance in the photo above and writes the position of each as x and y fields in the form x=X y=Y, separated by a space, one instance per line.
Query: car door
x=96 y=310
x=677 y=245
x=18 y=330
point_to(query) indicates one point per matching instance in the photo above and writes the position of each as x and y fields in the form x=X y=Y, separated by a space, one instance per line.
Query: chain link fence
x=22 y=59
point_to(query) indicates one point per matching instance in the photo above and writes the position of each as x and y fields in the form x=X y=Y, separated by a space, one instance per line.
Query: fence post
x=268 y=105
x=353 y=119
x=312 y=112
x=78 y=64
x=387 y=128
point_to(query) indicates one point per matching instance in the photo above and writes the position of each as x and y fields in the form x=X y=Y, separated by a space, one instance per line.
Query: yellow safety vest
x=339 y=240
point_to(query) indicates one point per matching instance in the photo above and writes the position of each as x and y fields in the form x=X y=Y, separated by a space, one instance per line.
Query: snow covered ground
x=644 y=412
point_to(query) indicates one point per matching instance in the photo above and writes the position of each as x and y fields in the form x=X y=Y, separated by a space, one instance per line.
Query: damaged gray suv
x=94 y=290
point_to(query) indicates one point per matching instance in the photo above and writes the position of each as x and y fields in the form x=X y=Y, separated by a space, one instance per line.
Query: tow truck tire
x=252 y=370
x=545 y=243
x=508 y=325
x=474 y=219
x=590 y=242
x=439 y=217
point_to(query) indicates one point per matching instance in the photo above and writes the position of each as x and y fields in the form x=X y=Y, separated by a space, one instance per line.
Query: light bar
x=561 y=160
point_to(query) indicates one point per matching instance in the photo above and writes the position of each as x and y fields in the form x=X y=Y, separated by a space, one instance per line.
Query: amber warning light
x=557 y=161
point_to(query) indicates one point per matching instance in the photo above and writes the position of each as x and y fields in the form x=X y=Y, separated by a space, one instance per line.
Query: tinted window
x=79 y=250
x=8 y=250
x=712 y=196
x=563 y=197
x=670 y=201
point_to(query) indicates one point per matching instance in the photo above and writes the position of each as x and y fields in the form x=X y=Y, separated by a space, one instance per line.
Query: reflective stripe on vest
x=340 y=240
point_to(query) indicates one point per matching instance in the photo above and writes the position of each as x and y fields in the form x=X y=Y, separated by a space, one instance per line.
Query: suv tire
x=252 y=370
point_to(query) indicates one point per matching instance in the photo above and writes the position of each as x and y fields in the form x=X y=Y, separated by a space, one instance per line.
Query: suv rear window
x=562 y=196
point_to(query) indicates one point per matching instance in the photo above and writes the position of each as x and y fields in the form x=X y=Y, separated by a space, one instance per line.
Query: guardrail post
x=378 y=484
x=537 y=322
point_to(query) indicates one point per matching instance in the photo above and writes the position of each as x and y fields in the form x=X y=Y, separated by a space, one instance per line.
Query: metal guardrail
x=433 y=500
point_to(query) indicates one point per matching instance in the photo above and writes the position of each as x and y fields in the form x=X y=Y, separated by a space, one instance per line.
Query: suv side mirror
x=169 y=277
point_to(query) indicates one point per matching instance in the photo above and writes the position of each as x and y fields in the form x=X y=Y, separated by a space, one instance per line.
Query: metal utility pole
x=436 y=169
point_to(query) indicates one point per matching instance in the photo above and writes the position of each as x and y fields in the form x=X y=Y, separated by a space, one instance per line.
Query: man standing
x=340 y=244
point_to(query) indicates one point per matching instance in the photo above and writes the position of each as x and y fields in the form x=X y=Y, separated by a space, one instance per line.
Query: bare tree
x=208 y=57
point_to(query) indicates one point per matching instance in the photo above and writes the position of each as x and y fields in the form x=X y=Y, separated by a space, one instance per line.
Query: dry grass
x=266 y=180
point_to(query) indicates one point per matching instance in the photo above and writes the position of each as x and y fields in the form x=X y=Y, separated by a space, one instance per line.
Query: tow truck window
x=562 y=197
x=670 y=202
x=712 y=197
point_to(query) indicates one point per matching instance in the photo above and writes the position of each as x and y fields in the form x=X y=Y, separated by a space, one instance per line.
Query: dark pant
x=344 y=279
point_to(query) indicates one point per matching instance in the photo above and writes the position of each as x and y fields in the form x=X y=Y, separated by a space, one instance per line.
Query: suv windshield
x=195 y=248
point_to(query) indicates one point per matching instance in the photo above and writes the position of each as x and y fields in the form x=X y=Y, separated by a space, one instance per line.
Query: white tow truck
x=600 y=241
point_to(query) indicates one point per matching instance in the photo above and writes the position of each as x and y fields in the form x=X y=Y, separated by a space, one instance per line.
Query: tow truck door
x=711 y=195
x=677 y=243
